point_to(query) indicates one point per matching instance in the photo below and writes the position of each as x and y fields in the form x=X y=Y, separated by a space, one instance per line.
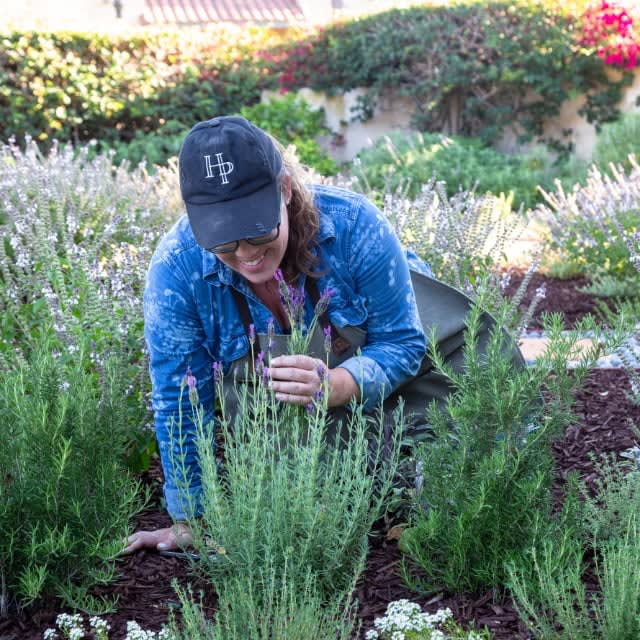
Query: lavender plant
x=276 y=608
x=295 y=501
x=597 y=226
x=591 y=226
x=551 y=594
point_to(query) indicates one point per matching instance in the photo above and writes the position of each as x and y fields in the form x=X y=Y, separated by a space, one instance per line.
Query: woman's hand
x=301 y=379
x=168 y=539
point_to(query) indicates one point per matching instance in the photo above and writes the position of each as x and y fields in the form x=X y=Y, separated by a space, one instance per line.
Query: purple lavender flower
x=252 y=334
x=323 y=303
x=259 y=363
x=321 y=370
x=278 y=276
x=310 y=408
x=327 y=338
x=190 y=381
x=217 y=372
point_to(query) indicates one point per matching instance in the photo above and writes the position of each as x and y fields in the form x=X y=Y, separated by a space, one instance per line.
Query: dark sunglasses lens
x=230 y=247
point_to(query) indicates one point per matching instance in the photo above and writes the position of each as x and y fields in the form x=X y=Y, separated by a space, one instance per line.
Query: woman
x=211 y=283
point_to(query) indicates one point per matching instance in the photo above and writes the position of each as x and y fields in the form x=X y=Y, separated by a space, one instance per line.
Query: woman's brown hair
x=304 y=221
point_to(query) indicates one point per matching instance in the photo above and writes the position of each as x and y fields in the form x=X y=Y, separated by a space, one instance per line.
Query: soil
x=563 y=296
x=605 y=424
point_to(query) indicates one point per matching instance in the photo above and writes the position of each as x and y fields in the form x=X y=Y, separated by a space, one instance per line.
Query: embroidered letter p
x=225 y=168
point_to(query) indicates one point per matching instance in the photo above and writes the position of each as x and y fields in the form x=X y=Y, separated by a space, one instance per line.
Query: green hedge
x=484 y=58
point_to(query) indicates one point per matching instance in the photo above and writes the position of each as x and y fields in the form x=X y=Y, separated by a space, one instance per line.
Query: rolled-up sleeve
x=175 y=340
x=395 y=343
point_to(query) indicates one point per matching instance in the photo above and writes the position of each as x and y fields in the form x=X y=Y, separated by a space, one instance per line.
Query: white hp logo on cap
x=225 y=167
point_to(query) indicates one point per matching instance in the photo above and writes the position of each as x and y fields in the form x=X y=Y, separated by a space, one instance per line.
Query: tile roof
x=273 y=12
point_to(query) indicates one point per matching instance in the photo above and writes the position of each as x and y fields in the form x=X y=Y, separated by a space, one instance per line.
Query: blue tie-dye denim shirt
x=191 y=320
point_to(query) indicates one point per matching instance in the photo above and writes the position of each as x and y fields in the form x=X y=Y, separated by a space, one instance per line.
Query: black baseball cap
x=228 y=181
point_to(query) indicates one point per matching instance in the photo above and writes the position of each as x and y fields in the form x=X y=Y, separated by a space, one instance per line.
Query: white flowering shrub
x=404 y=620
x=72 y=627
x=591 y=229
x=76 y=236
x=596 y=228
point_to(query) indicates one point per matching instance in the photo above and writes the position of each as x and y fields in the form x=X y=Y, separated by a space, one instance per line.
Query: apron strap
x=339 y=344
x=245 y=315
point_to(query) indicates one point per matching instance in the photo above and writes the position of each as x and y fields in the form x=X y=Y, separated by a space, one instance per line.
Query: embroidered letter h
x=225 y=168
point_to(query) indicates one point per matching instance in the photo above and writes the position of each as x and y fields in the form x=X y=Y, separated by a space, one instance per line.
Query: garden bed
x=144 y=591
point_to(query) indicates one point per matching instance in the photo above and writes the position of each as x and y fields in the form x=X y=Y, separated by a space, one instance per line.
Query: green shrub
x=294 y=122
x=77 y=238
x=553 y=600
x=406 y=163
x=592 y=227
x=466 y=65
x=616 y=141
x=473 y=59
x=275 y=608
x=485 y=498
x=66 y=499
x=291 y=509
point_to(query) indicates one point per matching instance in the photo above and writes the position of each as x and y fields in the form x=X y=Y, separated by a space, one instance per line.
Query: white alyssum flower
x=403 y=617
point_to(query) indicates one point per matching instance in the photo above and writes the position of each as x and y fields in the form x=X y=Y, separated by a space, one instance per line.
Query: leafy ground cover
x=144 y=587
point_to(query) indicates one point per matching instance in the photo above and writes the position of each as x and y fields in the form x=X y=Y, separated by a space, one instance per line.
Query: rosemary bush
x=487 y=473
x=66 y=499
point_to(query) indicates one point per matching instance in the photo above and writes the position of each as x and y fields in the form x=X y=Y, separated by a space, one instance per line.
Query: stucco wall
x=394 y=113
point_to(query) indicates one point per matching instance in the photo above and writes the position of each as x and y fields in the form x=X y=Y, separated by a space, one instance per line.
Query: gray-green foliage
x=553 y=599
x=487 y=473
x=75 y=240
x=292 y=507
x=618 y=140
x=290 y=496
x=402 y=163
x=76 y=236
x=274 y=608
x=592 y=228
x=66 y=499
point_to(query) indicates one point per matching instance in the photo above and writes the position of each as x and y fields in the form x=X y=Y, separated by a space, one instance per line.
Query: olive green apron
x=441 y=308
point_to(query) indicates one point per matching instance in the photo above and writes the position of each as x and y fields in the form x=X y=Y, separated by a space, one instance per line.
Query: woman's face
x=259 y=264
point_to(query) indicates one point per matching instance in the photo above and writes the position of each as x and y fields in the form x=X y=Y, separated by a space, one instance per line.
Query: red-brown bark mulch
x=605 y=424
x=563 y=296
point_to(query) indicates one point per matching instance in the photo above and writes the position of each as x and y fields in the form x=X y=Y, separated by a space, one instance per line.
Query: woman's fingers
x=296 y=379
x=167 y=539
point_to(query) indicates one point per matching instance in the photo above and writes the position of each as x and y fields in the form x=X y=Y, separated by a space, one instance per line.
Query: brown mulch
x=144 y=590
x=562 y=296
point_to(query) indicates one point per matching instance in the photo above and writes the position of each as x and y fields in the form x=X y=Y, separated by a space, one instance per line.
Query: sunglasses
x=231 y=247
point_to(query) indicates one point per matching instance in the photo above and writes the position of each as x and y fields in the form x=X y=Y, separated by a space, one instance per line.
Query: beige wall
x=69 y=15
x=394 y=114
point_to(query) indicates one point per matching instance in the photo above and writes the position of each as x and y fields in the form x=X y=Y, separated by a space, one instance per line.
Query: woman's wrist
x=342 y=387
